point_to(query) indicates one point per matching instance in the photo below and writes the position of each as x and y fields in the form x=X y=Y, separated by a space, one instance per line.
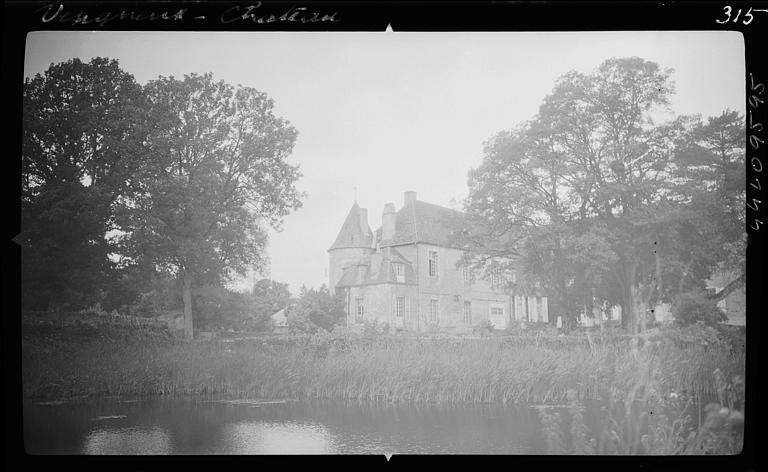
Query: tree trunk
x=557 y=305
x=628 y=309
x=600 y=320
x=186 y=295
x=640 y=307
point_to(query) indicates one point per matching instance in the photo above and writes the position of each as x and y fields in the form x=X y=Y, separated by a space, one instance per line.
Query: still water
x=195 y=426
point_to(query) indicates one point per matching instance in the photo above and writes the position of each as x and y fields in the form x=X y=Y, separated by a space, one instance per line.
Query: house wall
x=379 y=303
x=662 y=313
x=450 y=289
x=532 y=308
x=735 y=307
x=735 y=304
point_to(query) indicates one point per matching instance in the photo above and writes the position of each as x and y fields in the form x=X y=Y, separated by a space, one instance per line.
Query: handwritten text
x=293 y=14
x=59 y=14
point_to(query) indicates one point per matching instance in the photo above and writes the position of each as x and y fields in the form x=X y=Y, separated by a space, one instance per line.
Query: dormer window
x=433 y=263
x=399 y=271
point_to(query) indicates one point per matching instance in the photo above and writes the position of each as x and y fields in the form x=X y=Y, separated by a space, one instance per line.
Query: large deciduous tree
x=712 y=173
x=606 y=203
x=82 y=140
x=217 y=172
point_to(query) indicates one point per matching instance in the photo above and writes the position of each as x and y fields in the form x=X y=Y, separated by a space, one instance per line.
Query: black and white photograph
x=389 y=243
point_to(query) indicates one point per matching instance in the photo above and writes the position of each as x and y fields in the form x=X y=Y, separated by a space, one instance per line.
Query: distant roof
x=352 y=234
x=279 y=317
x=421 y=222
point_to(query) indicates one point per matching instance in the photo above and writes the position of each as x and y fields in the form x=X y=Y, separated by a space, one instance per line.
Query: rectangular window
x=360 y=311
x=468 y=312
x=497 y=312
x=433 y=311
x=400 y=307
x=538 y=309
x=466 y=275
x=495 y=280
x=433 y=263
x=399 y=272
x=527 y=310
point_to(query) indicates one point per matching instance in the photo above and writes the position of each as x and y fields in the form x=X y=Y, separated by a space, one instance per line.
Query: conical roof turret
x=355 y=231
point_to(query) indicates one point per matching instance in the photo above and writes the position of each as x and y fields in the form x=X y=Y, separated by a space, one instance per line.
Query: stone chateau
x=405 y=274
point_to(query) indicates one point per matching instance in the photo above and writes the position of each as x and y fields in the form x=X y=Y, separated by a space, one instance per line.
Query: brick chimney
x=364 y=221
x=408 y=197
x=388 y=222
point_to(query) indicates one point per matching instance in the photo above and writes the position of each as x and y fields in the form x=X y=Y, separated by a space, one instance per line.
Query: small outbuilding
x=278 y=321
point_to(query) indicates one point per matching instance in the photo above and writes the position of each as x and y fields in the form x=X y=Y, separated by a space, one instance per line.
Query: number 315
x=727 y=10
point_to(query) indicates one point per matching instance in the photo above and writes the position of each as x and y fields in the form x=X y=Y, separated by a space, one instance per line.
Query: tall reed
x=388 y=369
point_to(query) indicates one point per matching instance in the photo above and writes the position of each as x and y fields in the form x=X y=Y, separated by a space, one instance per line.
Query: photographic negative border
x=750 y=19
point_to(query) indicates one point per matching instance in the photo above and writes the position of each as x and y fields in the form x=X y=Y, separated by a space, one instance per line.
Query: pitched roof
x=421 y=222
x=352 y=234
x=377 y=270
x=279 y=317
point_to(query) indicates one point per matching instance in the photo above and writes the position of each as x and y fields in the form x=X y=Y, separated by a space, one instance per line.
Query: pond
x=197 y=426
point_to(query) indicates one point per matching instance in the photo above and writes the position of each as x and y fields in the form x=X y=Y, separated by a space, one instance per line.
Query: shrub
x=693 y=307
x=373 y=329
x=697 y=334
x=298 y=321
x=486 y=324
x=322 y=309
x=514 y=328
x=629 y=425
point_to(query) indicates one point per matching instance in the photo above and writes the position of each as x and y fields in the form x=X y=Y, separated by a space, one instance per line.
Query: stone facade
x=407 y=274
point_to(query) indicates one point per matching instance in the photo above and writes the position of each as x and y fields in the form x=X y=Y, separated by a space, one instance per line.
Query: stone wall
x=379 y=304
x=448 y=287
x=451 y=290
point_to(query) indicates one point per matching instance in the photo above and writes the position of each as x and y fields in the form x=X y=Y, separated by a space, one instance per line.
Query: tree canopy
x=82 y=141
x=217 y=171
x=124 y=183
x=602 y=203
x=317 y=308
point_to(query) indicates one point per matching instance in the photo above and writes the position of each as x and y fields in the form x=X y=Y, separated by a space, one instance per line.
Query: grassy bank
x=671 y=375
x=389 y=369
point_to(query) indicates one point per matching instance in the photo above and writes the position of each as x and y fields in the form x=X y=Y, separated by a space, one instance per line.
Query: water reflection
x=195 y=426
x=128 y=441
x=278 y=438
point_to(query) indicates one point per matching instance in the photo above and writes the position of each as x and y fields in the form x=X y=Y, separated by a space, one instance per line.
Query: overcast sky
x=390 y=112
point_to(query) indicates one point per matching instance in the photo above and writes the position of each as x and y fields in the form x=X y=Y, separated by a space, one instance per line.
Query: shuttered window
x=433 y=263
x=360 y=312
x=433 y=311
